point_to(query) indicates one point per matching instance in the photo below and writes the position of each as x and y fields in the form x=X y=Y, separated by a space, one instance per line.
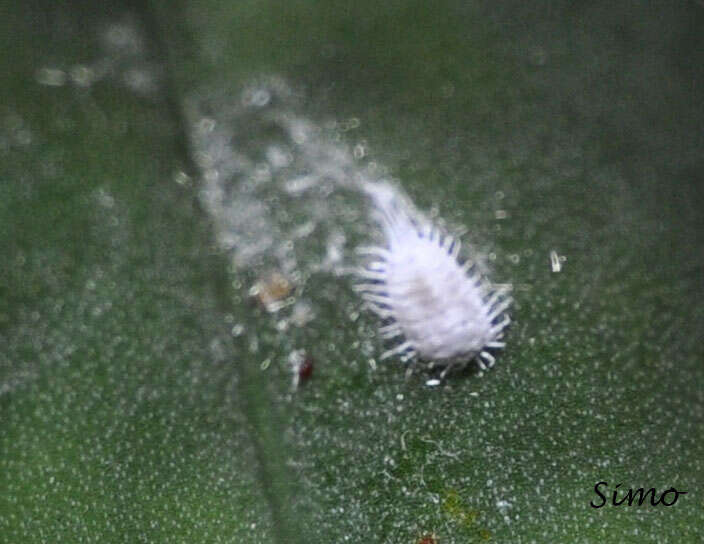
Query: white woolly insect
x=438 y=308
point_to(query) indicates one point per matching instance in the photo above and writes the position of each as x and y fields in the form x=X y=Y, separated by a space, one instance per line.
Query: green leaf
x=118 y=404
x=160 y=161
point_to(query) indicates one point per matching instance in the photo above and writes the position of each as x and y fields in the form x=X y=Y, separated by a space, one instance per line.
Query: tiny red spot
x=305 y=371
x=427 y=539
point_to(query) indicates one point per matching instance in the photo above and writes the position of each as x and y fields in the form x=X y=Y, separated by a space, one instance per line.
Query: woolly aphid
x=436 y=306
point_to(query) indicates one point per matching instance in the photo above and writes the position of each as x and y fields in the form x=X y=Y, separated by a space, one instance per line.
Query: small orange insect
x=428 y=539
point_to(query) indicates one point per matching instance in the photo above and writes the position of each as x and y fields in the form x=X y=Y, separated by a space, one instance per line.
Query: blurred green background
x=145 y=398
